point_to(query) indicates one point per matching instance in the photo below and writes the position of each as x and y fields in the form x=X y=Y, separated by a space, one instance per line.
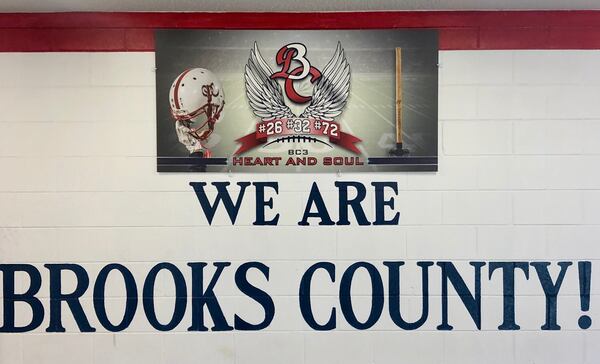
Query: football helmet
x=197 y=100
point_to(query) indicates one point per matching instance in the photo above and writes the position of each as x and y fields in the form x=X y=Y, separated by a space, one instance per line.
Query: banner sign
x=296 y=101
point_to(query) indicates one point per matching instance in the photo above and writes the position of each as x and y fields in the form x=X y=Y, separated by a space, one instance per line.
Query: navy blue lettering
x=71 y=299
x=131 y=301
x=180 y=297
x=304 y=297
x=316 y=199
x=10 y=297
x=472 y=302
x=376 y=296
x=222 y=195
x=206 y=297
x=260 y=296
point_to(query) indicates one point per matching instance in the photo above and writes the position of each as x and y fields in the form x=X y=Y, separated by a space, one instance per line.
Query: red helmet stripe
x=176 y=94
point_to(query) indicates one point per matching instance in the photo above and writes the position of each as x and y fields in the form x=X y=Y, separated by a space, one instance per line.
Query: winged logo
x=329 y=97
x=266 y=97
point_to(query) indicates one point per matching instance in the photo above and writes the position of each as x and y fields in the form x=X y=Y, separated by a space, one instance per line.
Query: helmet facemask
x=202 y=120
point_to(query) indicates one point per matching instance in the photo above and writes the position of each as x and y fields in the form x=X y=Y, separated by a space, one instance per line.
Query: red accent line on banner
x=347 y=141
x=459 y=30
x=248 y=142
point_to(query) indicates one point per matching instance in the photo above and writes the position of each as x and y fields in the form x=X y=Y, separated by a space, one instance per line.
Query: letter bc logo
x=285 y=56
x=330 y=90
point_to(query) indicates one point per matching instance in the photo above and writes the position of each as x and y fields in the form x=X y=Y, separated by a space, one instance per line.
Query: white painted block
x=27 y=139
x=573 y=102
x=79 y=104
x=591 y=135
x=61 y=348
x=573 y=172
x=109 y=139
x=573 y=242
x=477 y=207
x=128 y=348
x=511 y=102
x=122 y=69
x=338 y=347
x=441 y=242
x=548 y=136
x=43 y=70
x=511 y=172
x=411 y=347
x=529 y=172
x=548 y=347
x=256 y=347
x=592 y=350
x=591 y=207
x=371 y=242
x=457 y=102
x=28 y=174
x=492 y=172
x=511 y=242
x=28 y=245
x=478 y=347
x=11 y=349
x=548 y=207
x=144 y=209
x=481 y=67
x=455 y=173
x=477 y=137
x=546 y=67
x=418 y=208
x=190 y=348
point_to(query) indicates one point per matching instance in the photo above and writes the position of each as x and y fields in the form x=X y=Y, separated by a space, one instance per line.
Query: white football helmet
x=197 y=100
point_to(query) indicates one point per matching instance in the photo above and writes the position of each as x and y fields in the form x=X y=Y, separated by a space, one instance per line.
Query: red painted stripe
x=461 y=30
x=512 y=38
x=329 y=20
x=176 y=93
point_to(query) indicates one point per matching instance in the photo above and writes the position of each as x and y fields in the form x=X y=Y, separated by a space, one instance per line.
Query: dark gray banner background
x=368 y=115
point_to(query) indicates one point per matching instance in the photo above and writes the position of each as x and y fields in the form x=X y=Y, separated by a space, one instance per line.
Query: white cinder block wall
x=519 y=179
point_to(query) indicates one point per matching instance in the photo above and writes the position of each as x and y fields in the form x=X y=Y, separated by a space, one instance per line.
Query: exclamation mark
x=585 y=278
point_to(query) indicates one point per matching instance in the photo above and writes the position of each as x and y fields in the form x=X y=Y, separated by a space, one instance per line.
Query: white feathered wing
x=264 y=94
x=331 y=90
